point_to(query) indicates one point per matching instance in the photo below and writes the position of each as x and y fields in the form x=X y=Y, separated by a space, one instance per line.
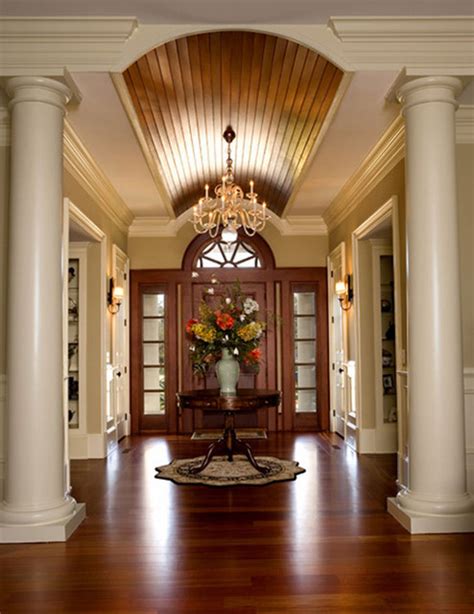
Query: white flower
x=250 y=306
x=214 y=280
x=242 y=317
x=236 y=351
x=192 y=348
x=210 y=290
x=226 y=337
x=228 y=301
x=194 y=274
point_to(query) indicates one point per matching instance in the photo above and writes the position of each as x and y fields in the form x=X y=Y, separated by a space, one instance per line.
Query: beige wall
x=168 y=252
x=465 y=185
x=4 y=196
x=392 y=185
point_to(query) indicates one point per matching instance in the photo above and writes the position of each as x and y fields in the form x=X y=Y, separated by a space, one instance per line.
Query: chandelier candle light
x=230 y=209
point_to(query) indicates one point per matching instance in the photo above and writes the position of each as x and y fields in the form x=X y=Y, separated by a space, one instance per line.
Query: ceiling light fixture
x=230 y=209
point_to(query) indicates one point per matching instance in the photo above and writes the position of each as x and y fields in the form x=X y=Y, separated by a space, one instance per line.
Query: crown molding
x=303 y=225
x=153 y=165
x=300 y=225
x=465 y=125
x=44 y=45
x=424 y=45
x=386 y=154
x=81 y=165
x=150 y=226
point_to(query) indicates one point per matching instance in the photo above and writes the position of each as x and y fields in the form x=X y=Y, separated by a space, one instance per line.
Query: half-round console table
x=244 y=400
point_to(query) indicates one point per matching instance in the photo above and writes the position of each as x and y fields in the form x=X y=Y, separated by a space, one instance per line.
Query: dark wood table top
x=244 y=399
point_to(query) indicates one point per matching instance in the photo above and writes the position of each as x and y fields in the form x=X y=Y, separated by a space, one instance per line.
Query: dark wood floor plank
x=323 y=543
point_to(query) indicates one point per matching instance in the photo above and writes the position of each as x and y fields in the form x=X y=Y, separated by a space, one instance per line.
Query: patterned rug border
x=290 y=470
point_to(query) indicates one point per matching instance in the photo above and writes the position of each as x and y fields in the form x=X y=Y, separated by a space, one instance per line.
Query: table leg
x=247 y=450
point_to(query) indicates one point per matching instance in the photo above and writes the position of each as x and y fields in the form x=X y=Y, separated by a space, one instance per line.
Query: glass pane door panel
x=305 y=327
x=154 y=375
x=305 y=376
x=304 y=322
x=305 y=351
x=306 y=400
x=153 y=305
x=153 y=378
x=153 y=353
x=304 y=303
x=154 y=329
x=154 y=403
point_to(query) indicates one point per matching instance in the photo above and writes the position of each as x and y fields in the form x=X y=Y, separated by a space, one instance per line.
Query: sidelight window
x=304 y=327
x=154 y=375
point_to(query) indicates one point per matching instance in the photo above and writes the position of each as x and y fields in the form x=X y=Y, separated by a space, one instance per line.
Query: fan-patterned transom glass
x=219 y=254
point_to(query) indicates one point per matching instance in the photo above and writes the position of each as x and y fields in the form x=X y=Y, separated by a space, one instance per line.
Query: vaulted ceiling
x=274 y=92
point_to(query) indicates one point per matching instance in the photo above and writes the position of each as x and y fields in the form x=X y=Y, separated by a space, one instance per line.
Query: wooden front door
x=294 y=349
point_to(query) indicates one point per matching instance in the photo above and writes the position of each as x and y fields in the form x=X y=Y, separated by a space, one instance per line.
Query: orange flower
x=190 y=324
x=223 y=320
x=255 y=354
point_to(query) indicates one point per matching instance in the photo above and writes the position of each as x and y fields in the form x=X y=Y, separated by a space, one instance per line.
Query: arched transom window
x=238 y=255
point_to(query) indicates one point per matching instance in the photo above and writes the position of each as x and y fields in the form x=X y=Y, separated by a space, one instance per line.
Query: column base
x=59 y=531
x=416 y=522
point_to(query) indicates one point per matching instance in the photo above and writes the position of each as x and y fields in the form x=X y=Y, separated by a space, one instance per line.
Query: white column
x=436 y=500
x=36 y=506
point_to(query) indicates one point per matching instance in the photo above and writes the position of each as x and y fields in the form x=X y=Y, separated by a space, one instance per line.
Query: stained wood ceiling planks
x=272 y=91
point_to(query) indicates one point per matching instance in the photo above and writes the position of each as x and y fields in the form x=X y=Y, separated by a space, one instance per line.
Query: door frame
x=366 y=441
x=338 y=252
x=119 y=257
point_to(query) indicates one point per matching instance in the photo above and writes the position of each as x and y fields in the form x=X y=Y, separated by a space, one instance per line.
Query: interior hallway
x=323 y=543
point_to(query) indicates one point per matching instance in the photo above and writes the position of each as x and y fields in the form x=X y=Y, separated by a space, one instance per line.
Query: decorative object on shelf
x=392 y=416
x=227 y=331
x=390 y=332
x=388 y=387
x=386 y=305
x=114 y=296
x=344 y=293
x=231 y=209
x=387 y=358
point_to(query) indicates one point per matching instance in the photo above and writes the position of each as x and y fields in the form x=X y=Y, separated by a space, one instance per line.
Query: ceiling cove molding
x=424 y=45
x=44 y=45
x=379 y=162
x=122 y=91
x=307 y=225
x=317 y=37
x=465 y=125
x=81 y=165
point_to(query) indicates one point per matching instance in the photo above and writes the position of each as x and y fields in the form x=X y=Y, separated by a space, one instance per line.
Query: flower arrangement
x=230 y=323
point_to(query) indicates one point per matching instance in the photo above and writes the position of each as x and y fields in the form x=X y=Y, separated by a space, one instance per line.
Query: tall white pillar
x=36 y=506
x=436 y=500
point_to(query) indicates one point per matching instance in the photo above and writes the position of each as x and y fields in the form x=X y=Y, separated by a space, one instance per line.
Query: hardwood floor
x=323 y=543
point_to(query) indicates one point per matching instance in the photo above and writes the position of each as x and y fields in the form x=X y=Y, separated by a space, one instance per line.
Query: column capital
x=38 y=89
x=429 y=89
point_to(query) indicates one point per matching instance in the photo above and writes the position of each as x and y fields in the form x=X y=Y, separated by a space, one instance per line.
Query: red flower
x=223 y=320
x=255 y=354
x=189 y=325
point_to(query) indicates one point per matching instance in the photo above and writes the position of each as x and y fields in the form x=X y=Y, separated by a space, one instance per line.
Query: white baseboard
x=367 y=441
x=83 y=446
x=469 y=418
x=97 y=446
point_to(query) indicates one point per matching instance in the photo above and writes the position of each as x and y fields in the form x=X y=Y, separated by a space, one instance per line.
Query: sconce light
x=114 y=296
x=344 y=293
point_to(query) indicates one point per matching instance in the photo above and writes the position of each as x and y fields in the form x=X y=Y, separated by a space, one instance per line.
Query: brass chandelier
x=230 y=209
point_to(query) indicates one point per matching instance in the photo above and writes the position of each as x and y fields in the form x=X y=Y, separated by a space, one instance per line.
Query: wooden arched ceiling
x=274 y=92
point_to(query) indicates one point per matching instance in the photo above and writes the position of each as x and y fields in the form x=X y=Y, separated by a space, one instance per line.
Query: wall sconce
x=344 y=293
x=114 y=296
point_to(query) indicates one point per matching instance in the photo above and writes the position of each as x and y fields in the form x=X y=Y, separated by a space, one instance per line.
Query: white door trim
x=389 y=210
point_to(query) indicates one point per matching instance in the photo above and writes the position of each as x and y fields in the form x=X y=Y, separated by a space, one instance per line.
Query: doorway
x=377 y=312
x=294 y=349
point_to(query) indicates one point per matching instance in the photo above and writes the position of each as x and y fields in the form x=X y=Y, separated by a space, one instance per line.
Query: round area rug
x=221 y=472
